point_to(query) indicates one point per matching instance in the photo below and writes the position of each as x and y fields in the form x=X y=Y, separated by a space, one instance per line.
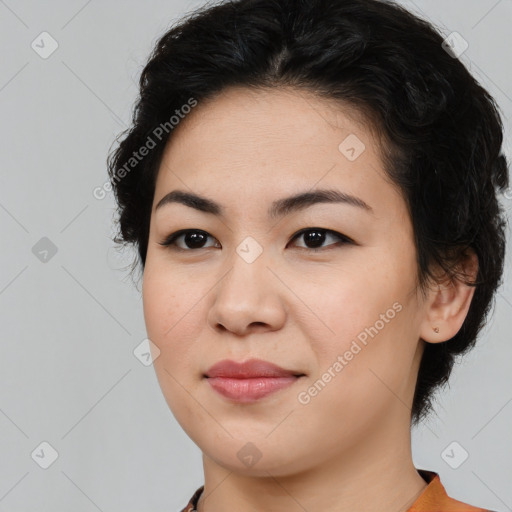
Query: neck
x=377 y=473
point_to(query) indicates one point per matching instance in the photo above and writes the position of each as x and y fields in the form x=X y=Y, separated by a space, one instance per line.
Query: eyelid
x=170 y=240
x=337 y=234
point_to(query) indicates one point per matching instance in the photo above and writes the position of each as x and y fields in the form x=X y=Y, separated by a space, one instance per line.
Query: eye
x=196 y=238
x=317 y=237
x=193 y=239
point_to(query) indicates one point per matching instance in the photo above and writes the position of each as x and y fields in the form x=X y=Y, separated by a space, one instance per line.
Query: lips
x=249 y=381
x=249 y=369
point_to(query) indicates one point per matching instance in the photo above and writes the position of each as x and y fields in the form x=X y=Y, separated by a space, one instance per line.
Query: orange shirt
x=432 y=499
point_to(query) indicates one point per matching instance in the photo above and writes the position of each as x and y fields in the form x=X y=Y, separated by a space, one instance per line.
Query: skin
x=291 y=306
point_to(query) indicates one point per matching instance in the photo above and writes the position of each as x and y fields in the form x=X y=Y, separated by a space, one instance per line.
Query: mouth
x=249 y=381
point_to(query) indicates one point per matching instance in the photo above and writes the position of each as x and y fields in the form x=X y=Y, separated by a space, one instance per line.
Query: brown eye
x=192 y=239
x=314 y=238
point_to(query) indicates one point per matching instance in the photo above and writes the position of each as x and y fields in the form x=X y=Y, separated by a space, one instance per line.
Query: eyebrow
x=278 y=208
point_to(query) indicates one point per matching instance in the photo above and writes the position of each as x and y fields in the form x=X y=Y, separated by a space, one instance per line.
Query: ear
x=448 y=302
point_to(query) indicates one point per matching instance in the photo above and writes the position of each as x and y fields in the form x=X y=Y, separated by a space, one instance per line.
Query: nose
x=249 y=298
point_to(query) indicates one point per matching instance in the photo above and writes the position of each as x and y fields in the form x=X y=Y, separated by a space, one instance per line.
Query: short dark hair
x=441 y=131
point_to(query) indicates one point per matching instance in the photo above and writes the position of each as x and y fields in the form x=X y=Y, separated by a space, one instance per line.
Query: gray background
x=70 y=324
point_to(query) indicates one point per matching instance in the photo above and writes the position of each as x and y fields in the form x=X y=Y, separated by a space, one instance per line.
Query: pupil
x=195 y=239
x=315 y=237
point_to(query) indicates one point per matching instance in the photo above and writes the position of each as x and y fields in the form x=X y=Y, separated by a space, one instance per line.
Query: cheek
x=175 y=317
x=357 y=381
x=171 y=326
x=368 y=319
x=342 y=306
x=162 y=289
x=168 y=310
x=157 y=303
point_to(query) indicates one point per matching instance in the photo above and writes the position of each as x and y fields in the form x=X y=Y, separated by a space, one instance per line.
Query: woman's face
x=346 y=316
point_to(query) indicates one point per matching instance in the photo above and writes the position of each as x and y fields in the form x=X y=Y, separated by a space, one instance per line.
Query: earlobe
x=448 y=302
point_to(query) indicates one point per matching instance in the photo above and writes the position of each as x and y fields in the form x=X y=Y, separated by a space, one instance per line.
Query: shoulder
x=435 y=498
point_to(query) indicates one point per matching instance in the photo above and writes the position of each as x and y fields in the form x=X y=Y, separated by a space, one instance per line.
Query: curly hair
x=440 y=130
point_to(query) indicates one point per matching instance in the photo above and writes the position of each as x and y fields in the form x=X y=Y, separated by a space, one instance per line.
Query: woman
x=312 y=189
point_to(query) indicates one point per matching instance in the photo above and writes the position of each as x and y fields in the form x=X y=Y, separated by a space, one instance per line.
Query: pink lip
x=249 y=381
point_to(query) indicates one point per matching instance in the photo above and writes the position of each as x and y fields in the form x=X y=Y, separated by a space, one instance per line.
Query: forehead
x=280 y=116
x=245 y=141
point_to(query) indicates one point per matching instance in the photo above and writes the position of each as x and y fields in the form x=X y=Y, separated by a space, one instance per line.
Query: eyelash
x=170 y=241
